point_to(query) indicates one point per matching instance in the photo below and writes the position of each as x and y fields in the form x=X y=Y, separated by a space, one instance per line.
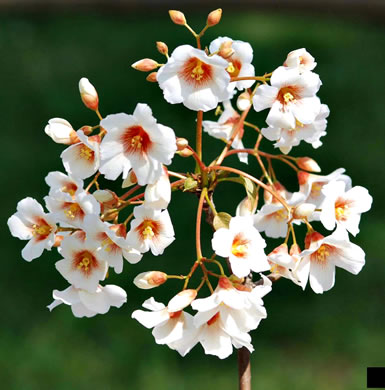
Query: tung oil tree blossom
x=218 y=299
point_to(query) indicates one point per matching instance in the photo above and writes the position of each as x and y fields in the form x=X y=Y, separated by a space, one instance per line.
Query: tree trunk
x=244 y=369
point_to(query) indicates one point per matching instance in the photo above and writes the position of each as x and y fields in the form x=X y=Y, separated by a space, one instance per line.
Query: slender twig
x=244 y=369
x=199 y=134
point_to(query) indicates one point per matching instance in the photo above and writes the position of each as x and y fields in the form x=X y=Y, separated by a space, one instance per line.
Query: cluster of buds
x=95 y=229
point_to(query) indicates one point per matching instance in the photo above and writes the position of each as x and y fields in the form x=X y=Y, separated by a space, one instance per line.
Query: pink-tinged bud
x=295 y=250
x=58 y=240
x=281 y=249
x=151 y=279
x=177 y=17
x=162 y=48
x=88 y=94
x=130 y=180
x=145 y=65
x=225 y=283
x=214 y=17
x=185 y=152
x=304 y=210
x=108 y=198
x=302 y=177
x=244 y=101
x=61 y=131
x=87 y=130
x=152 y=77
x=312 y=237
x=181 y=143
x=308 y=164
x=246 y=207
x=226 y=49
x=181 y=300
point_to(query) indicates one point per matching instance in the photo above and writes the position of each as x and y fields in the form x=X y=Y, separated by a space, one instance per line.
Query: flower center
x=148 y=229
x=342 y=210
x=288 y=95
x=316 y=189
x=86 y=153
x=196 y=72
x=240 y=246
x=280 y=215
x=69 y=188
x=234 y=68
x=322 y=254
x=136 y=140
x=41 y=229
x=73 y=211
x=85 y=262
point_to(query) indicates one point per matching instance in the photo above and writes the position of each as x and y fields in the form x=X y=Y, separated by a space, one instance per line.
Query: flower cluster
x=95 y=229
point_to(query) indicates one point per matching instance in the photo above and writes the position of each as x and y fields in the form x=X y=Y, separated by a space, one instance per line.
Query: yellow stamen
x=86 y=261
x=231 y=68
x=72 y=211
x=322 y=254
x=41 y=230
x=197 y=72
x=86 y=153
x=280 y=215
x=288 y=97
x=136 y=142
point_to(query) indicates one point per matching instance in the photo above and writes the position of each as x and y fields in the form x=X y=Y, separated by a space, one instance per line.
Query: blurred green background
x=307 y=341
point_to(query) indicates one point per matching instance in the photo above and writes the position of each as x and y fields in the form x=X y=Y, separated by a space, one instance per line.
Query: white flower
x=311 y=185
x=243 y=245
x=82 y=159
x=323 y=254
x=158 y=195
x=82 y=265
x=291 y=97
x=136 y=142
x=225 y=318
x=150 y=230
x=59 y=182
x=310 y=133
x=72 y=211
x=175 y=329
x=239 y=63
x=272 y=218
x=344 y=208
x=223 y=129
x=87 y=304
x=195 y=79
x=30 y=222
x=300 y=59
x=111 y=240
x=61 y=131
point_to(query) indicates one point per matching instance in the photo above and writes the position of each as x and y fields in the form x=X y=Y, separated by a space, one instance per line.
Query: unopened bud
x=181 y=300
x=244 y=101
x=186 y=152
x=130 y=180
x=177 y=17
x=87 y=130
x=281 y=249
x=162 y=48
x=152 y=77
x=61 y=131
x=145 y=65
x=308 y=164
x=304 y=210
x=246 y=207
x=58 y=240
x=151 y=279
x=88 y=94
x=214 y=17
x=108 y=198
x=303 y=177
x=181 y=143
x=226 y=50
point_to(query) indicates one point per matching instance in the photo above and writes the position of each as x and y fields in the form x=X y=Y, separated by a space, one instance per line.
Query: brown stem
x=244 y=369
x=199 y=134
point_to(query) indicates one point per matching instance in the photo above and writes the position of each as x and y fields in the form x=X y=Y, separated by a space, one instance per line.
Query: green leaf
x=221 y=220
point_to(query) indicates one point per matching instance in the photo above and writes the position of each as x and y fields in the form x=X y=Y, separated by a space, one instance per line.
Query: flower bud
x=186 y=152
x=88 y=94
x=308 y=164
x=244 y=101
x=152 y=77
x=103 y=196
x=304 y=210
x=181 y=300
x=151 y=279
x=246 y=207
x=181 y=143
x=177 y=17
x=61 y=131
x=145 y=65
x=162 y=48
x=58 y=240
x=87 y=130
x=214 y=17
x=303 y=177
x=295 y=250
x=226 y=50
x=130 y=180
